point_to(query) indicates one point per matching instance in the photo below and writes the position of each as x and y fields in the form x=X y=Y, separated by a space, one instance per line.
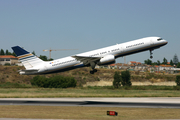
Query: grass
x=14 y=85
x=83 y=92
x=99 y=113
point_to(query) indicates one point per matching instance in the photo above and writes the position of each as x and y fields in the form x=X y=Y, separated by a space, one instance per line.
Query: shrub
x=7 y=64
x=38 y=81
x=117 y=80
x=126 y=78
x=178 y=80
x=54 y=82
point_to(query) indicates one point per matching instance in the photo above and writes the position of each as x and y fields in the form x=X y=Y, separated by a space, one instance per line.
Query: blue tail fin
x=28 y=59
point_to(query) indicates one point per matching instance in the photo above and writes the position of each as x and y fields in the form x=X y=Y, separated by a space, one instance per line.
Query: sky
x=87 y=25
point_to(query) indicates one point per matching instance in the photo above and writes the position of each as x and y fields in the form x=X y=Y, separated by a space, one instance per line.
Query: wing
x=87 y=60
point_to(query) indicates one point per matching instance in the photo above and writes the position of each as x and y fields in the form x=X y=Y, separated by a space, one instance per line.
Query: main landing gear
x=93 y=71
x=151 y=54
x=93 y=64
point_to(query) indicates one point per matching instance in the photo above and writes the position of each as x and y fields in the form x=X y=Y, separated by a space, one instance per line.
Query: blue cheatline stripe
x=27 y=57
x=32 y=59
x=19 y=51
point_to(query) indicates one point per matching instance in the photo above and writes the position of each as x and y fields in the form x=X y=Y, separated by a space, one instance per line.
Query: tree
x=171 y=63
x=165 y=61
x=43 y=57
x=154 y=63
x=178 y=80
x=178 y=65
x=117 y=79
x=33 y=53
x=158 y=62
x=126 y=78
x=2 y=52
x=13 y=54
x=175 y=59
x=50 y=59
x=148 y=62
x=8 y=53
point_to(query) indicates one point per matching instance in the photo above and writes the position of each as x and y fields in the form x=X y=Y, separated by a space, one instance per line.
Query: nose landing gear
x=151 y=54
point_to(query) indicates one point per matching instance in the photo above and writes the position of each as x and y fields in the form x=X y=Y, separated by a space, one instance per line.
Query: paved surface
x=96 y=102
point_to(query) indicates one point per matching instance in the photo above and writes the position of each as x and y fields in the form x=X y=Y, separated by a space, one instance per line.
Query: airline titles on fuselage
x=61 y=63
x=129 y=46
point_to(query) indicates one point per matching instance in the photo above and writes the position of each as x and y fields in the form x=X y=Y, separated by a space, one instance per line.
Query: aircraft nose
x=165 y=42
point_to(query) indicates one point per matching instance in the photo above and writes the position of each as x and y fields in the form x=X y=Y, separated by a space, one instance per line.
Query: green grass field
x=86 y=92
x=97 y=113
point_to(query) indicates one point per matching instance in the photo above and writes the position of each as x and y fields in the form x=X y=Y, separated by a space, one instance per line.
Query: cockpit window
x=159 y=39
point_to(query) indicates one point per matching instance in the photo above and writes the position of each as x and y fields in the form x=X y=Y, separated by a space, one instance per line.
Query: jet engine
x=109 y=59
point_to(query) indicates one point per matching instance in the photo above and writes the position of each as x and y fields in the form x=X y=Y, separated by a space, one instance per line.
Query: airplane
x=103 y=56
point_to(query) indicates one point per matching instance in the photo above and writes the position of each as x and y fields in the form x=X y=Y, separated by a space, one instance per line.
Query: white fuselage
x=111 y=52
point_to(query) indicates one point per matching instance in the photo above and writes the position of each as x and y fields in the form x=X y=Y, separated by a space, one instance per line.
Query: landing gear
x=151 y=54
x=93 y=64
x=93 y=71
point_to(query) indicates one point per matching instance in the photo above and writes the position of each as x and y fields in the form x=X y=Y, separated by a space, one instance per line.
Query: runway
x=96 y=102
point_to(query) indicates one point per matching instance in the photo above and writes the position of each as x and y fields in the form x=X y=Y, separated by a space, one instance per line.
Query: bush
x=126 y=78
x=38 y=81
x=178 y=80
x=7 y=64
x=117 y=80
x=54 y=82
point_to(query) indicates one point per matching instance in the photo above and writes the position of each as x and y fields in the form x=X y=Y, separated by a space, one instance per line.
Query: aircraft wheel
x=151 y=57
x=92 y=72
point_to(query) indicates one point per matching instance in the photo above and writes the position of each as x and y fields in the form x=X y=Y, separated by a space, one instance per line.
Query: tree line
x=174 y=61
x=2 y=52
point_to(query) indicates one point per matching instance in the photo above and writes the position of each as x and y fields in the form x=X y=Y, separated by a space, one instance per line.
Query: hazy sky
x=89 y=24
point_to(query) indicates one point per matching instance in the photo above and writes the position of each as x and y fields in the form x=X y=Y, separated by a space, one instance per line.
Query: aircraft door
x=151 y=42
x=121 y=48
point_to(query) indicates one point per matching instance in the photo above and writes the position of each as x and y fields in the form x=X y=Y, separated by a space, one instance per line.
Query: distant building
x=8 y=59
x=165 y=67
x=137 y=66
x=112 y=66
x=134 y=63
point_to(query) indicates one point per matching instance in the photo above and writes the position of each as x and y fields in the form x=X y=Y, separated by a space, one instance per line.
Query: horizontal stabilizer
x=28 y=72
